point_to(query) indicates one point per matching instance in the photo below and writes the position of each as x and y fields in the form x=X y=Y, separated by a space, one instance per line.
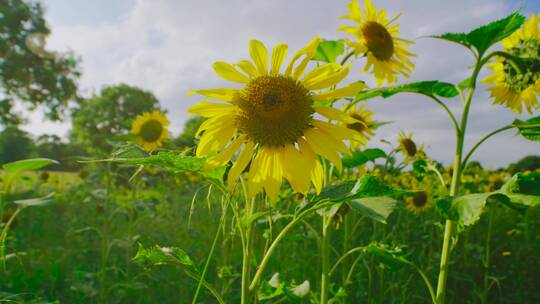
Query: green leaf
x=522 y=183
x=431 y=88
x=27 y=165
x=420 y=167
x=464 y=84
x=39 y=201
x=530 y=129
x=391 y=257
x=175 y=163
x=366 y=186
x=329 y=50
x=157 y=255
x=485 y=36
x=376 y=208
x=358 y=158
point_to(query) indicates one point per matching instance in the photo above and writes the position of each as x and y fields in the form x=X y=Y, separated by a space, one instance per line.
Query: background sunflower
x=376 y=38
x=150 y=130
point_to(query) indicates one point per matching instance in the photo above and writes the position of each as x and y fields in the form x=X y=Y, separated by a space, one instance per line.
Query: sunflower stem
x=454 y=188
x=325 y=258
x=485 y=293
x=481 y=141
x=246 y=254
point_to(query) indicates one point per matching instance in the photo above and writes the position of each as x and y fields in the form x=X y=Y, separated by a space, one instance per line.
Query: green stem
x=325 y=258
x=449 y=112
x=485 y=294
x=466 y=159
x=3 y=236
x=246 y=255
x=277 y=240
x=344 y=60
x=210 y=254
x=454 y=188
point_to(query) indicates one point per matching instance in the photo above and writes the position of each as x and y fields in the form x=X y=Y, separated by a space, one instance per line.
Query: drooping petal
x=228 y=72
x=294 y=167
x=316 y=172
x=323 y=147
x=243 y=160
x=214 y=139
x=259 y=55
x=226 y=154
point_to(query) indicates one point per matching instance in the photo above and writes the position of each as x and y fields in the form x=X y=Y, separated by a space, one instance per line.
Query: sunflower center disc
x=151 y=130
x=409 y=146
x=361 y=126
x=420 y=199
x=529 y=50
x=275 y=110
x=378 y=40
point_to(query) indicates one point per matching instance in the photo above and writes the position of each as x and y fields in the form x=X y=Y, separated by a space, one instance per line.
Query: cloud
x=167 y=47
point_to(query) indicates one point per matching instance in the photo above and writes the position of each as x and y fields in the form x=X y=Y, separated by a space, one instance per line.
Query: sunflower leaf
x=530 y=129
x=519 y=193
x=156 y=255
x=431 y=88
x=27 y=165
x=329 y=50
x=376 y=208
x=484 y=37
x=358 y=158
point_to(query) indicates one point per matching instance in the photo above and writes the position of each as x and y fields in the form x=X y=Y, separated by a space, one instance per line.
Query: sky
x=168 y=47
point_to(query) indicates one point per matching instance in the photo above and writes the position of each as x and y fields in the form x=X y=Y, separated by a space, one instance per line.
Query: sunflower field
x=277 y=191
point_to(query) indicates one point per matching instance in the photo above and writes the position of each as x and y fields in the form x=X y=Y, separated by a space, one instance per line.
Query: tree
x=187 y=138
x=51 y=146
x=15 y=144
x=528 y=163
x=101 y=119
x=28 y=73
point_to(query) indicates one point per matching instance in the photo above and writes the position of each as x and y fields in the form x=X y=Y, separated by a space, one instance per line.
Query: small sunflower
x=512 y=88
x=150 y=130
x=419 y=201
x=271 y=122
x=365 y=125
x=376 y=38
x=409 y=149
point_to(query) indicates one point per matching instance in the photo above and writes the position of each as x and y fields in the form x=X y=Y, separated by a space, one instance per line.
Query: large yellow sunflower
x=150 y=130
x=270 y=120
x=512 y=88
x=365 y=125
x=376 y=38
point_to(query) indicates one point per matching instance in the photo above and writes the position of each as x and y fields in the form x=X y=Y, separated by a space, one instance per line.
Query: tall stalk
x=325 y=258
x=456 y=181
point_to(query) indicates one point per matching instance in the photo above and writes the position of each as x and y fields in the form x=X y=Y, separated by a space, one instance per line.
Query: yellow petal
x=339 y=131
x=278 y=56
x=325 y=80
x=323 y=147
x=243 y=160
x=220 y=94
x=259 y=55
x=227 y=71
x=248 y=68
x=308 y=51
x=214 y=139
x=348 y=90
x=316 y=172
x=224 y=156
x=334 y=114
x=209 y=109
x=255 y=180
x=218 y=121
x=294 y=167
x=274 y=173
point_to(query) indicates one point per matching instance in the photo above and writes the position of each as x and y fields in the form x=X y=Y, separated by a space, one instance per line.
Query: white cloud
x=167 y=47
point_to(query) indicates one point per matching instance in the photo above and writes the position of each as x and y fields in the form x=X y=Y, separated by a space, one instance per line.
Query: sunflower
x=365 y=125
x=150 y=130
x=270 y=120
x=517 y=89
x=408 y=148
x=419 y=201
x=376 y=38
